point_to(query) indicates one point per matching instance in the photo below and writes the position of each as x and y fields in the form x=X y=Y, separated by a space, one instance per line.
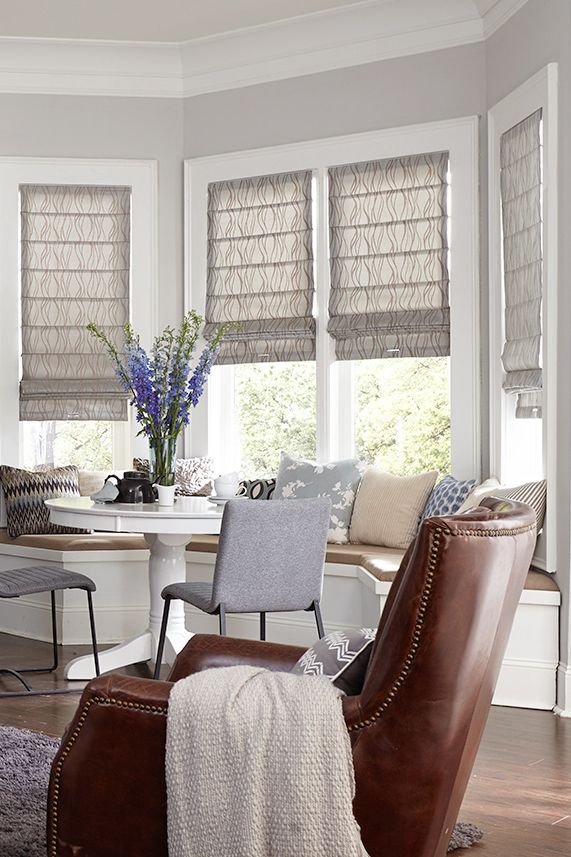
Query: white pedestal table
x=167 y=531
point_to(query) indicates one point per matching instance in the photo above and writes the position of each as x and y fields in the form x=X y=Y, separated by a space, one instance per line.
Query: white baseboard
x=563 y=707
x=526 y=684
x=30 y=617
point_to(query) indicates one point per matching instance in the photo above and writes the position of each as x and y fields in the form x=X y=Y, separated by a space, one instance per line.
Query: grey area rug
x=25 y=760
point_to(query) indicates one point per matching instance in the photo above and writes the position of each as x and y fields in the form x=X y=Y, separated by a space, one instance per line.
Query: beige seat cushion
x=387 y=508
x=78 y=542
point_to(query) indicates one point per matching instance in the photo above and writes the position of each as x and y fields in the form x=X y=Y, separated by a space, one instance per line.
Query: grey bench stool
x=44 y=578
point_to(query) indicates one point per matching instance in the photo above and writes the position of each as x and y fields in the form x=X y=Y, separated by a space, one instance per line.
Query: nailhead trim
x=416 y=634
x=424 y=599
x=98 y=700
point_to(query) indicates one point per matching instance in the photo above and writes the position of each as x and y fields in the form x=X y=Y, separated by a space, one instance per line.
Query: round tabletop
x=189 y=515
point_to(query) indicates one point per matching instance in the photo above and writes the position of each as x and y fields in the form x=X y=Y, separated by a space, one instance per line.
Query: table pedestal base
x=167 y=564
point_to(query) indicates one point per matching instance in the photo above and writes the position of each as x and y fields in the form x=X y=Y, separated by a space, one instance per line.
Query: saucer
x=219 y=501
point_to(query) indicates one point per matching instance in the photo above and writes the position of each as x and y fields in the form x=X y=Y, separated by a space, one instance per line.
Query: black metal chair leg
x=162 y=635
x=17 y=675
x=54 y=630
x=262 y=626
x=222 y=620
x=318 y=619
x=93 y=635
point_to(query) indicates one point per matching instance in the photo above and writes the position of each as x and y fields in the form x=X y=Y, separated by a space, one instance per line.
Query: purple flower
x=162 y=385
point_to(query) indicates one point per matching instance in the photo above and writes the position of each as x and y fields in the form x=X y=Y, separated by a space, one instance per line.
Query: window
x=344 y=399
x=20 y=178
x=85 y=443
x=402 y=414
x=522 y=195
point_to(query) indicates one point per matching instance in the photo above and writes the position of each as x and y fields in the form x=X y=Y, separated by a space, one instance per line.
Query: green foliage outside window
x=276 y=410
x=402 y=414
x=88 y=444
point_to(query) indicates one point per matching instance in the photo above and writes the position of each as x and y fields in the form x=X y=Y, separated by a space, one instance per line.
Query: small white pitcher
x=166 y=494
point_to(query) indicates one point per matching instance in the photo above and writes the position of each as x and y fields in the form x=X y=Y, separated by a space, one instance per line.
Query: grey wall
x=74 y=127
x=538 y=34
x=402 y=91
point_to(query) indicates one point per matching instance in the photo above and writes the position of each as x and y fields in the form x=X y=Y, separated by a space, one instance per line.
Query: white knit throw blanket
x=258 y=764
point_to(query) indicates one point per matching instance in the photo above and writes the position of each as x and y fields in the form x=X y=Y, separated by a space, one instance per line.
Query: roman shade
x=389 y=258
x=75 y=265
x=521 y=184
x=260 y=268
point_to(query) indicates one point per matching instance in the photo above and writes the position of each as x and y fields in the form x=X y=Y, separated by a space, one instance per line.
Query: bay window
x=388 y=306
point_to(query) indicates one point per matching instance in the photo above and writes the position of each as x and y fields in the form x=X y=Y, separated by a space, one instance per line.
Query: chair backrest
x=271 y=554
x=417 y=724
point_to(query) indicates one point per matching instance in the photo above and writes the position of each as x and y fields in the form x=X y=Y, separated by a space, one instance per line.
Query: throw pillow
x=338 y=481
x=447 y=497
x=478 y=493
x=91 y=481
x=342 y=656
x=3 y=519
x=25 y=492
x=193 y=476
x=533 y=494
x=257 y=489
x=388 y=508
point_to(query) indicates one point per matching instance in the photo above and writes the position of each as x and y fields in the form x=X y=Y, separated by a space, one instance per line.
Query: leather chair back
x=418 y=721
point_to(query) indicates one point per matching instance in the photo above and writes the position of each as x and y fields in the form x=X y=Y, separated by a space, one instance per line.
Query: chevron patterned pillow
x=24 y=495
x=342 y=656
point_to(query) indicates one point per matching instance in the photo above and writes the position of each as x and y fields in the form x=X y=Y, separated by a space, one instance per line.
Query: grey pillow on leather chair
x=342 y=656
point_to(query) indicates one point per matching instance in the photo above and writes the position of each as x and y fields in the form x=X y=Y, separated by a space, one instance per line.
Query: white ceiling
x=177 y=21
x=149 y=20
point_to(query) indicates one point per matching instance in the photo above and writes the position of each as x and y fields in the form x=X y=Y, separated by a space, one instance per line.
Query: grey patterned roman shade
x=389 y=266
x=520 y=181
x=260 y=268
x=75 y=269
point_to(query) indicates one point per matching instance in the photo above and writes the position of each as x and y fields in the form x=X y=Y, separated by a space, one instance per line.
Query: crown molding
x=501 y=12
x=348 y=36
x=83 y=67
x=322 y=42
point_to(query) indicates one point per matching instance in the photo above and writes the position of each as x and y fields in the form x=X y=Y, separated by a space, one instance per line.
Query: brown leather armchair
x=415 y=727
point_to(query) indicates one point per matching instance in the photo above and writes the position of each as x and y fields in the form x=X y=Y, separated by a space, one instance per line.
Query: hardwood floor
x=519 y=793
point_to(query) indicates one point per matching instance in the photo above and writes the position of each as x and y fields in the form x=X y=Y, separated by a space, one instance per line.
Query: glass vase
x=162 y=460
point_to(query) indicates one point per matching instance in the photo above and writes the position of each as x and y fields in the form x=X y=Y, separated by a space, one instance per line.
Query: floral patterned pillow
x=338 y=480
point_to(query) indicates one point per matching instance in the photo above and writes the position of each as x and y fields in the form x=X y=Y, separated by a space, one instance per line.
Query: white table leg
x=132 y=651
x=167 y=564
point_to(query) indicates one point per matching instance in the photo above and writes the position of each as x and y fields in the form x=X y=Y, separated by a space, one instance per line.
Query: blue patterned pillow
x=447 y=496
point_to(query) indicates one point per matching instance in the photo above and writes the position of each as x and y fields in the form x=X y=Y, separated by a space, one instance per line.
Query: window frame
x=539 y=91
x=141 y=176
x=334 y=385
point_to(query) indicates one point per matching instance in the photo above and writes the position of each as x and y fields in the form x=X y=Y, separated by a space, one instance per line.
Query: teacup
x=227 y=485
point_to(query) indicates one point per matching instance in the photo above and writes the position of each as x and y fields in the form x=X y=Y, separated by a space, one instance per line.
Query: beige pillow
x=478 y=493
x=91 y=481
x=387 y=508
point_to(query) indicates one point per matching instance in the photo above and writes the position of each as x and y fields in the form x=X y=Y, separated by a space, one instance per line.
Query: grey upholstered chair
x=44 y=578
x=270 y=558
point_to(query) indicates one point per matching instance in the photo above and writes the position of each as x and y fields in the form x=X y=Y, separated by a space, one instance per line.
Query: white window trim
x=540 y=91
x=141 y=176
x=334 y=429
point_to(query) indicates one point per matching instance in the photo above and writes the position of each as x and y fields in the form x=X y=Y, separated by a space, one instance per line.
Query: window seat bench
x=357 y=581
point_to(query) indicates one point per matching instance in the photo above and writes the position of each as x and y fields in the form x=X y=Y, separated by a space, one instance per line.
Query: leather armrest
x=107 y=788
x=205 y=651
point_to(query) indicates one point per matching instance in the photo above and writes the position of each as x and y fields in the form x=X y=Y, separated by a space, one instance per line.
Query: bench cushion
x=81 y=542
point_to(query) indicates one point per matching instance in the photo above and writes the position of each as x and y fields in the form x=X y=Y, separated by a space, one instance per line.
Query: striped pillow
x=533 y=494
